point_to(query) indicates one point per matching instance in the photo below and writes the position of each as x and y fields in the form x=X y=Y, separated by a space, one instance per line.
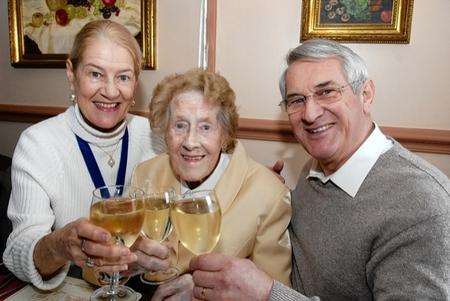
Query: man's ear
x=367 y=95
x=70 y=74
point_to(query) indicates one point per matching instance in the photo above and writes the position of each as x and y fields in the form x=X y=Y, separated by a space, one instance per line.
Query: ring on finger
x=203 y=292
x=89 y=262
x=83 y=241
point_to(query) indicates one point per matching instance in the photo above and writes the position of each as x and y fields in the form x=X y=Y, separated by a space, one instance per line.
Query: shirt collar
x=350 y=176
x=212 y=180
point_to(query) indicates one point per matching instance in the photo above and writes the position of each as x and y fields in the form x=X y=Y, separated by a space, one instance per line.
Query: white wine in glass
x=120 y=210
x=122 y=217
x=157 y=226
x=157 y=221
x=197 y=217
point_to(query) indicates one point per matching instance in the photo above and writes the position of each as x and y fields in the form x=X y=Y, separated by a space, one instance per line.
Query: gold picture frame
x=380 y=21
x=24 y=56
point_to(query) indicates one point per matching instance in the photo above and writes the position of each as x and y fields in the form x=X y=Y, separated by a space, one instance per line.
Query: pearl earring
x=73 y=98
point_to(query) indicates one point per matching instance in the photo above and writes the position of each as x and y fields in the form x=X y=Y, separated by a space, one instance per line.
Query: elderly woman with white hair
x=196 y=113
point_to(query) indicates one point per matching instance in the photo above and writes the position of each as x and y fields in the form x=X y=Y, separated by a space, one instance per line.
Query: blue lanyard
x=92 y=166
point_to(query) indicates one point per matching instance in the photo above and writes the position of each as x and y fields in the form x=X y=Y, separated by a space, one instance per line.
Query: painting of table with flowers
x=366 y=21
x=42 y=31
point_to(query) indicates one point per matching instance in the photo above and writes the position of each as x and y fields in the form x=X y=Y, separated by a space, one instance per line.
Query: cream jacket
x=255 y=208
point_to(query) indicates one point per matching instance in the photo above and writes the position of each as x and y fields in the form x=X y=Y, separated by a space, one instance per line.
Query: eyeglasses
x=324 y=96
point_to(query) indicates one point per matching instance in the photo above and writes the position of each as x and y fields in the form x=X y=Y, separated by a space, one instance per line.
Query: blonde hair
x=114 y=32
x=215 y=89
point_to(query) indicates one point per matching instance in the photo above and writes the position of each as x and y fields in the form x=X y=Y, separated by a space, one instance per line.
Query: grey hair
x=353 y=66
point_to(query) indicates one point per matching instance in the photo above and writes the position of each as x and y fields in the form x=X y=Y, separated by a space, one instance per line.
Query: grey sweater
x=390 y=242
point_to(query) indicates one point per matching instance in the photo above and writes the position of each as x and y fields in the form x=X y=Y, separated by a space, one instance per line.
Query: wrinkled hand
x=277 y=168
x=220 y=277
x=66 y=244
x=151 y=256
x=178 y=289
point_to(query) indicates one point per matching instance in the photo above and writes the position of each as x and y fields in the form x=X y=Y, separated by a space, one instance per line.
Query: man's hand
x=277 y=168
x=221 y=277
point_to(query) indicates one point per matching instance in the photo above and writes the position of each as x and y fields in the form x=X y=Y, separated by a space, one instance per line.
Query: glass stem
x=113 y=283
x=177 y=257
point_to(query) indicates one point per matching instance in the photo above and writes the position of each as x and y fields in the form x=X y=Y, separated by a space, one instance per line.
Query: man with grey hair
x=371 y=221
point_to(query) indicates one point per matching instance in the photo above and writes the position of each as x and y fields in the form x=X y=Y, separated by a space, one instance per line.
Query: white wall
x=253 y=37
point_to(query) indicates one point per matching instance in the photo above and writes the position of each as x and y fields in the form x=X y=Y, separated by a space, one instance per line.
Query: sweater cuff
x=278 y=291
x=33 y=274
x=22 y=263
x=281 y=292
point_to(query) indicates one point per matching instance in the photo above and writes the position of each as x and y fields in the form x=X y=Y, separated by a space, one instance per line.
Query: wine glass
x=157 y=226
x=120 y=210
x=196 y=217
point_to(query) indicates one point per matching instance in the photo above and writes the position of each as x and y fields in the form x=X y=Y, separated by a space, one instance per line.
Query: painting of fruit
x=361 y=21
x=356 y=11
x=51 y=25
x=42 y=32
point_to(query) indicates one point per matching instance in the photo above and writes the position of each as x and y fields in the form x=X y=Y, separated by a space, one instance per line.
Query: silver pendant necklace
x=111 y=162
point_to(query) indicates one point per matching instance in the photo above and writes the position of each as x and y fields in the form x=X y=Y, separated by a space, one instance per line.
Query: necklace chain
x=111 y=160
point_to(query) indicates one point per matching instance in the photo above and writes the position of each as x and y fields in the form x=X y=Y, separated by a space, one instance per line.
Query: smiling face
x=104 y=83
x=194 y=136
x=330 y=133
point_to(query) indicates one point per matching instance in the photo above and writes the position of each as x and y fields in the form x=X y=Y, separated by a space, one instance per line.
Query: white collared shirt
x=212 y=180
x=350 y=176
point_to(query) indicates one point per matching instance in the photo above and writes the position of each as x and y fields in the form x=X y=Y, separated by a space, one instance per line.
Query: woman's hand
x=76 y=242
x=178 y=289
x=151 y=256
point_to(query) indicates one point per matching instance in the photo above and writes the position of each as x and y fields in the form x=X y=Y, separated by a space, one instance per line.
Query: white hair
x=353 y=66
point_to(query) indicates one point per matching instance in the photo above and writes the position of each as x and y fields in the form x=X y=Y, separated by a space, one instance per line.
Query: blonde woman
x=60 y=161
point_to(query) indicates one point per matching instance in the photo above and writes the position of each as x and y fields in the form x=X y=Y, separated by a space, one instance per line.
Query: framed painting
x=362 y=21
x=42 y=32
